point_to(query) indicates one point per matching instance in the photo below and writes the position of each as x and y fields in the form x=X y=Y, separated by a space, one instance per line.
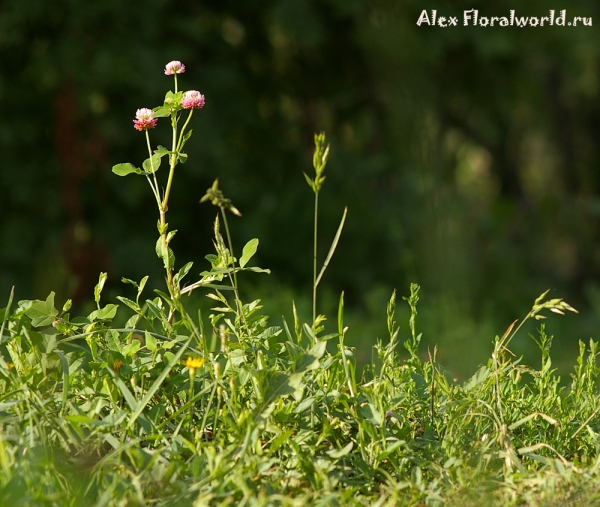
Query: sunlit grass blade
x=129 y=398
x=333 y=246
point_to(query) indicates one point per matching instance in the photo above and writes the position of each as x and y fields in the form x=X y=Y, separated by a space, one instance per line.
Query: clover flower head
x=144 y=119
x=192 y=100
x=174 y=67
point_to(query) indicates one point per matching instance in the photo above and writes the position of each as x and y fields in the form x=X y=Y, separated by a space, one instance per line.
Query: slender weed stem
x=232 y=273
x=315 y=242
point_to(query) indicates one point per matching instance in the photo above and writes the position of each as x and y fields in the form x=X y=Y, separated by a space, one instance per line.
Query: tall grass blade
x=333 y=246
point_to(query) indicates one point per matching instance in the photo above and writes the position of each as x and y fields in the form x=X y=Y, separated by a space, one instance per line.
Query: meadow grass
x=149 y=402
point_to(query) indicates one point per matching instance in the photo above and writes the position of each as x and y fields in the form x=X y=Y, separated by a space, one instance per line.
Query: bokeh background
x=468 y=156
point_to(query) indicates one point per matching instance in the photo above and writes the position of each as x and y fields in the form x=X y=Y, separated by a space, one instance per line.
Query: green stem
x=191 y=397
x=165 y=203
x=155 y=186
x=314 y=302
x=183 y=130
x=173 y=163
x=345 y=364
x=163 y=222
x=217 y=412
x=234 y=278
x=210 y=399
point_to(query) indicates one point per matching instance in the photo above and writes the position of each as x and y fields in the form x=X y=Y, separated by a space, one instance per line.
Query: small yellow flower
x=10 y=366
x=117 y=365
x=193 y=363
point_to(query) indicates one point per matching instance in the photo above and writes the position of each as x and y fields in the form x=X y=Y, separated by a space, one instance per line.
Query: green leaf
x=129 y=303
x=42 y=313
x=276 y=384
x=127 y=280
x=81 y=321
x=157 y=311
x=170 y=235
x=269 y=332
x=371 y=414
x=161 y=111
x=305 y=404
x=279 y=440
x=248 y=251
x=480 y=376
x=161 y=150
x=142 y=285
x=421 y=385
x=310 y=360
x=81 y=419
x=150 y=341
x=113 y=341
x=151 y=165
x=340 y=453
x=129 y=398
x=185 y=138
x=131 y=348
x=166 y=254
x=99 y=287
x=106 y=313
x=259 y=270
x=125 y=169
x=132 y=321
x=182 y=273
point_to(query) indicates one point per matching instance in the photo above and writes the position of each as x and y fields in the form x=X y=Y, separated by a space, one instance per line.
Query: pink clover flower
x=192 y=100
x=144 y=119
x=174 y=67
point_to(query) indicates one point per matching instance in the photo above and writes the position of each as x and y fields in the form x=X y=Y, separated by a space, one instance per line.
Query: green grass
x=97 y=415
x=149 y=402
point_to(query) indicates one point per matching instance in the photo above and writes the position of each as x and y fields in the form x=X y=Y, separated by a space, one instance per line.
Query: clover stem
x=183 y=129
x=173 y=163
x=155 y=186
x=165 y=205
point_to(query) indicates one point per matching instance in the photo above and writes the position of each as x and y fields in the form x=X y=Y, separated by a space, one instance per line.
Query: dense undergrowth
x=176 y=408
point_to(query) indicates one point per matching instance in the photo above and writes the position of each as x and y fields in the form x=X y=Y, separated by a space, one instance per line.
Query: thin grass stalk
x=314 y=294
x=232 y=274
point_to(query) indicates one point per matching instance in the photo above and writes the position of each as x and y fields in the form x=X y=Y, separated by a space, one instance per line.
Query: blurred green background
x=468 y=156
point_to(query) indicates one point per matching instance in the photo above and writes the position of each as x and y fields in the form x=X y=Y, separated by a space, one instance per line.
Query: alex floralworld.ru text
x=472 y=18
